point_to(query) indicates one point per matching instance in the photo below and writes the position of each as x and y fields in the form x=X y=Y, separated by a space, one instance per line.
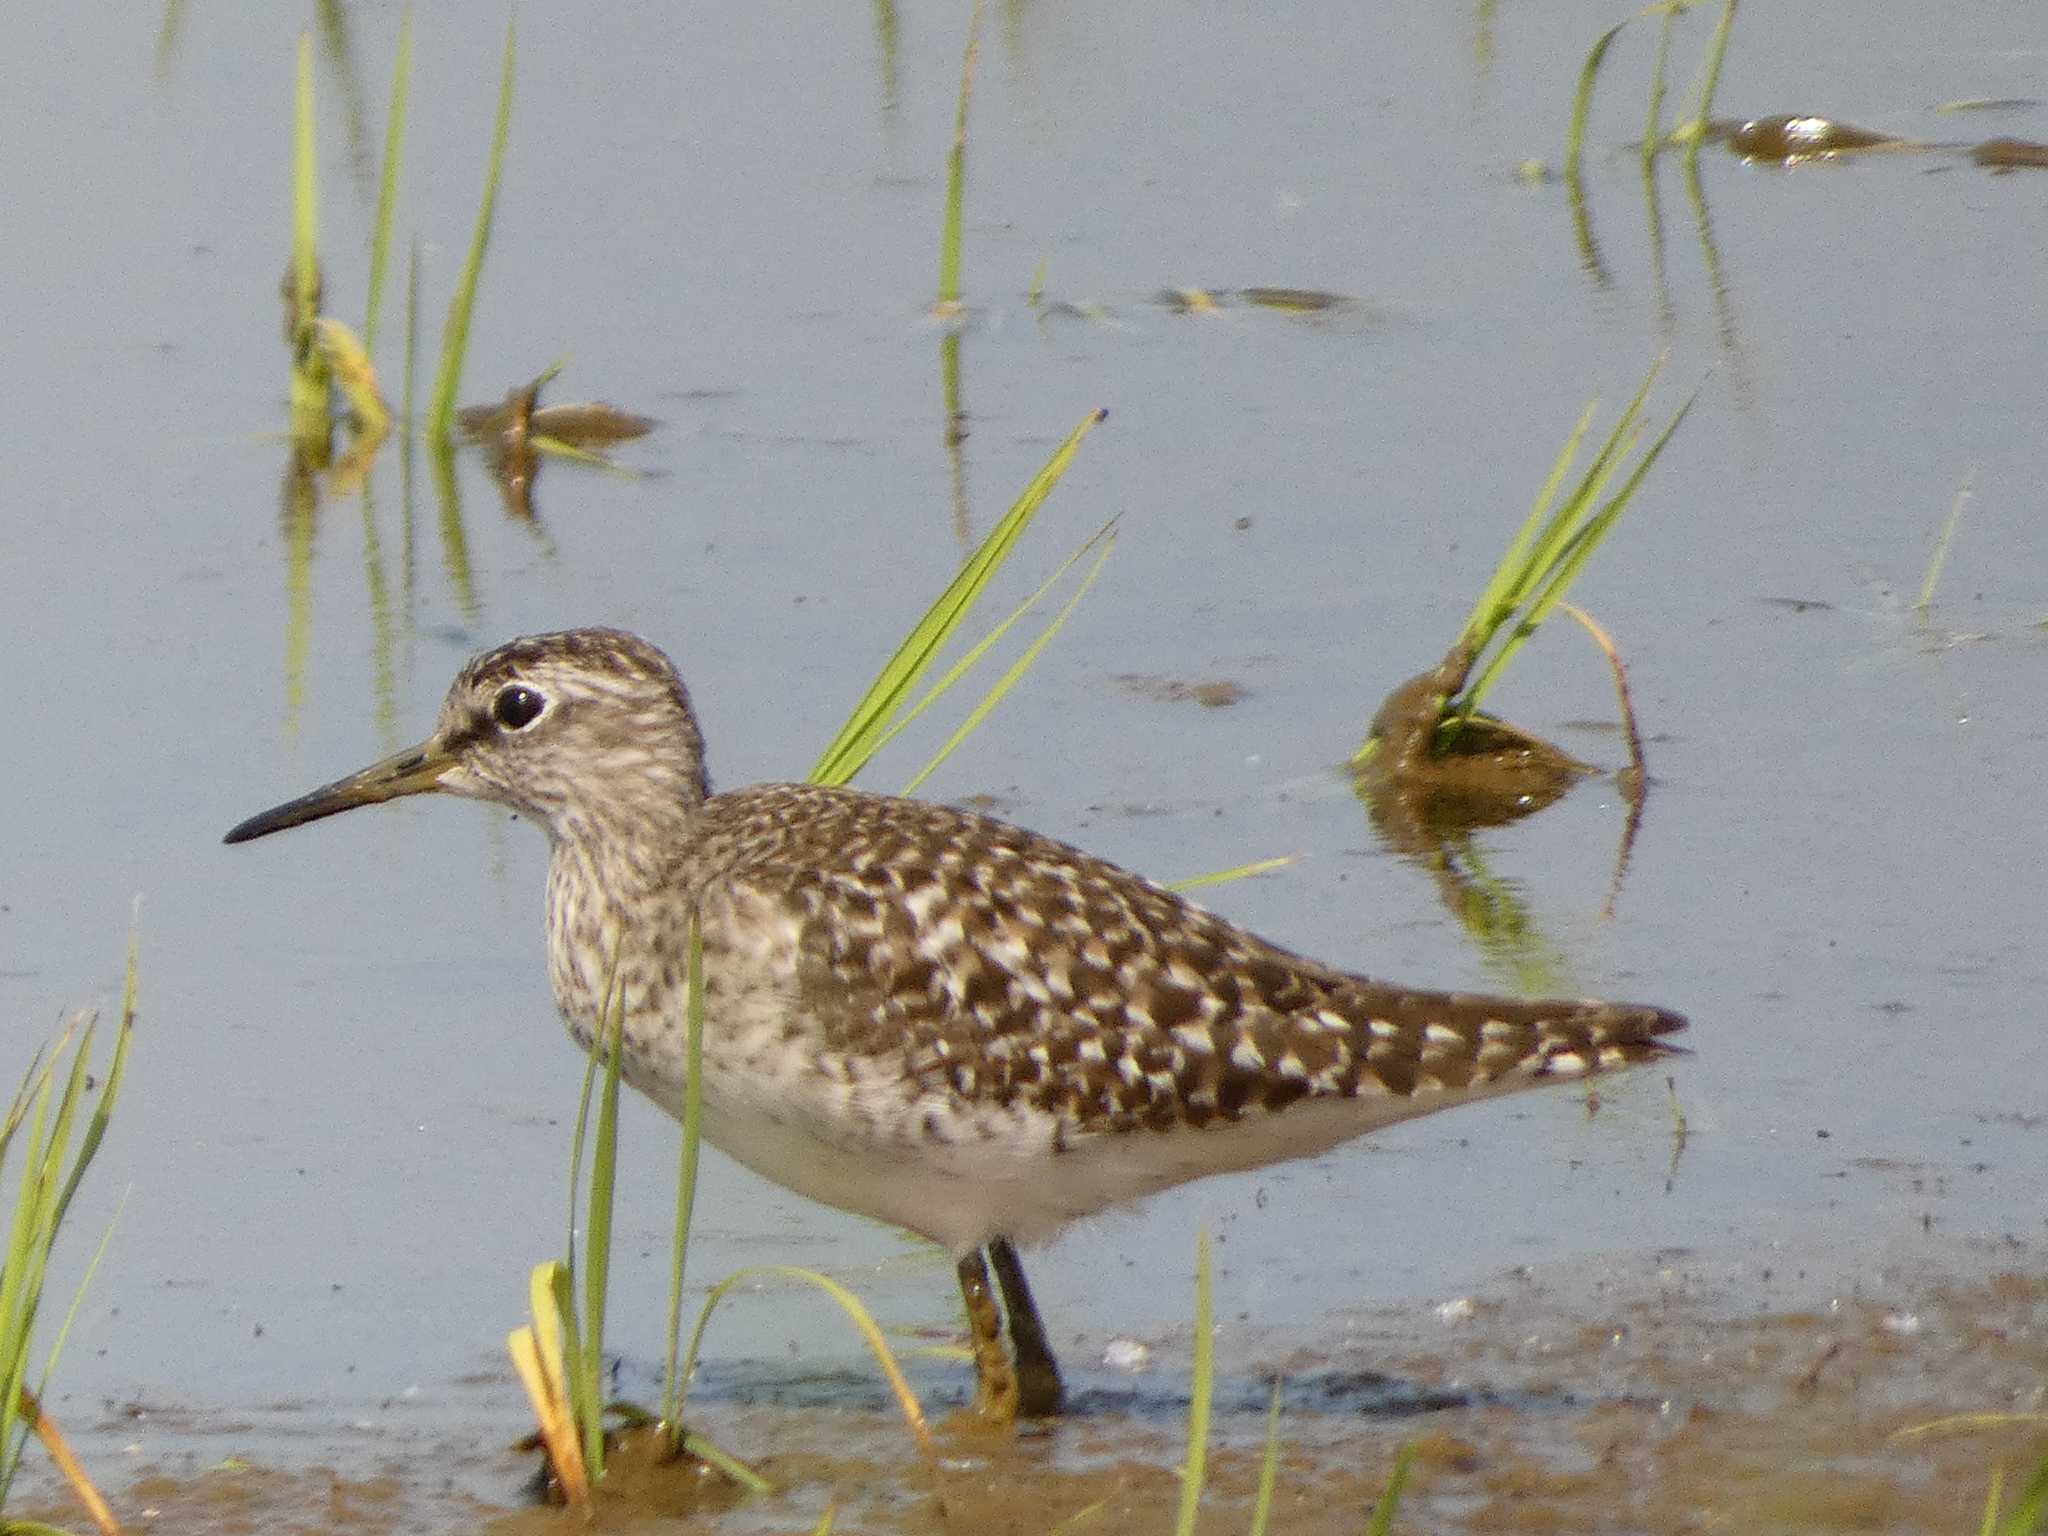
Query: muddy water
x=344 y=1141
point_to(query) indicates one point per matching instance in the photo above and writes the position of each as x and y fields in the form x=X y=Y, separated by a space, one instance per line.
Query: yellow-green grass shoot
x=1240 y=872
x=540 y=1356
x=735 y=1469
x=1695 y=132
x=2028 y=1516
x=1269 y=1468
x=1020 y=666
x=852 y=1306
x=46 y=1114
x=1390 y=1501
x=1940 y=556
x=1549 y=551
x=1196 y=1469
x=686 y=1178
x=1690 y=132
x=1582 y=103
x=874 y=717
x=309 y=369
x=575 y=1375
x=585 y=1337
x=597 y=1245
x=387 y=182
x=455 y=337
x=348 y=365
x=1653 y=114
x=956 y=173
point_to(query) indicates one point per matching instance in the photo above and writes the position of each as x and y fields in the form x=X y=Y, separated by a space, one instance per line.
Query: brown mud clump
x=1423 y=774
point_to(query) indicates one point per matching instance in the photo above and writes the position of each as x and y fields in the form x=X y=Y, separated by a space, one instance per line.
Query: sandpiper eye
x=516 y=708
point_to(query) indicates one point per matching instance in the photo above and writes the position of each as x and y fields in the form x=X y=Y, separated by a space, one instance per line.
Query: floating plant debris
x=1291 y=301
x=1792 y=137
x=2010 y=155
x=1214 y=693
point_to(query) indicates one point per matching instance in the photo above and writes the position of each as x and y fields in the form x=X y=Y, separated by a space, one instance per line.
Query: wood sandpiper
x=930 y=1017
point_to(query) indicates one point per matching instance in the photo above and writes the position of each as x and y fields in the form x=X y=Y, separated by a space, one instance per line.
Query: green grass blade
x=729 y=1464
x=1940 y=556
x=455 y=338
x=956 y=169
x=305 y=194
x=856 y=742
x=1269 y=1468
x=111 y=1090
x=597 y=1245
x=1240 y=872
x=1497 y=601
x=387 y=182
x=309 y=415
x=1710 y=80
x=1015 y=671
x=1582 y=102
x=1565 y=524
x=20 y=1280
x=1566 y=569
x=2030 y=1513
x=77 y=1298
x=1383 y=1512
x=1989 y=1525
x=1653 y=125
x=981 y=647
x=1589 y=537
x=578 y=1140
x=674 y=1388
x=1196 y=1470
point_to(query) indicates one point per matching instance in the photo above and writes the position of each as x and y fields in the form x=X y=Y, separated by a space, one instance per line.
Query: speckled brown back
x=997 y=966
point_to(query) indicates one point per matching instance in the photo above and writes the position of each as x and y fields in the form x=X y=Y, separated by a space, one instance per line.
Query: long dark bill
x=411 y=772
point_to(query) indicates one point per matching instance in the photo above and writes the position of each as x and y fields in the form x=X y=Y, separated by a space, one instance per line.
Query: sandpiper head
x=575 y=729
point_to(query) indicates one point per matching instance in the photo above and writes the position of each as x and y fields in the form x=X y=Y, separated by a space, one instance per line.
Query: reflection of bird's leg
x=1039 y=1389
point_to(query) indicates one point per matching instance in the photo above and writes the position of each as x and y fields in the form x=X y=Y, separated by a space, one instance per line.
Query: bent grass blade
x=863 y=1320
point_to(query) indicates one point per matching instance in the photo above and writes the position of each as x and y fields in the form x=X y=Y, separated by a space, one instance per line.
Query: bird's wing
x=985 y=962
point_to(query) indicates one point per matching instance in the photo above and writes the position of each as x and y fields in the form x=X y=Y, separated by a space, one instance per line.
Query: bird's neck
x=625 y=849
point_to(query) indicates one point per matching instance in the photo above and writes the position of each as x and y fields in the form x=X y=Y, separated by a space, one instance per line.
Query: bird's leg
x=1040 y=1393
x=995 y=1394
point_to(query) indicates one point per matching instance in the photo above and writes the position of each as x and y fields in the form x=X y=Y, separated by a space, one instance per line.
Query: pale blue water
x=346 y=1132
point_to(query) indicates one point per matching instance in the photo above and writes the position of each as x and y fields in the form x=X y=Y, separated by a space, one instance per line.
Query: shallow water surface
x=345 y=1137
